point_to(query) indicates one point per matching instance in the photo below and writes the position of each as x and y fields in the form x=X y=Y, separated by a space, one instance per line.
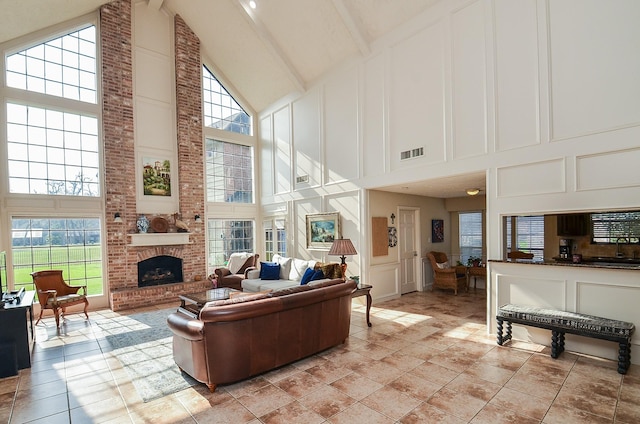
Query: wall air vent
x=302 y=179
x=413 y=153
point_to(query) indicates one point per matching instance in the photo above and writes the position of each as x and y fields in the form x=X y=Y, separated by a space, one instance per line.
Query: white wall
x=544 y=96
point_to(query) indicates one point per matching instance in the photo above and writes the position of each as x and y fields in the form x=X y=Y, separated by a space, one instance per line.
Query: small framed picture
x=322 y=229
x=437 y=230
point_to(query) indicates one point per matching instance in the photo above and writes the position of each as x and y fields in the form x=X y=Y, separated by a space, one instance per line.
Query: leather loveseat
x=231 y=340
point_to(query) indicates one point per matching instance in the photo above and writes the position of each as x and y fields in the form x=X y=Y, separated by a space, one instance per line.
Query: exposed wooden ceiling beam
x=352 y=27
x=272 y=45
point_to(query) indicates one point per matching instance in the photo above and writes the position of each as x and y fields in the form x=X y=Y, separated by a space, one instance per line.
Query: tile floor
x=427 y=359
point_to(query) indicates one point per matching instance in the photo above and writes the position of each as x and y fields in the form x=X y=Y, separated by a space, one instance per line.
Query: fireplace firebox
x=159 y=270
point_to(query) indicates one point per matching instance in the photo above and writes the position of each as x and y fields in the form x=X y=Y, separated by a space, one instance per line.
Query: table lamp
x=342 y=247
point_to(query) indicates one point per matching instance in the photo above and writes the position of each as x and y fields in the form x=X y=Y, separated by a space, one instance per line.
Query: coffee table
x=192 y=303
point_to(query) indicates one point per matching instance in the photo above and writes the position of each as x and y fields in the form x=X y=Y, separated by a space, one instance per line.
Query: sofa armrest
x=222 y=272
x=251 y=268
x=185 y=327
x=252 y=274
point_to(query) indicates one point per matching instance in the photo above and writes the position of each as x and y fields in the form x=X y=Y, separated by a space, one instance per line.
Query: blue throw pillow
x=317 y=275
x=269 y=271
x=307 y=276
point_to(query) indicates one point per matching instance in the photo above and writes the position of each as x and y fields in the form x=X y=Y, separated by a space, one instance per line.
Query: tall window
x=470 y=235
x=62 y=67
x=229 y=172
x=52 y=116
x=69 y=244
x=275 y=238
x=227 y=237
x=526 y=234
x=52 y=152
x=220 y=109
x=614 y=227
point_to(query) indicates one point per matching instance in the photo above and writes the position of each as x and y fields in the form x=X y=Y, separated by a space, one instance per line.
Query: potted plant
x=474 y=261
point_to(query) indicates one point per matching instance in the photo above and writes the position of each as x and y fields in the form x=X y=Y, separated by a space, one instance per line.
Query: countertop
x=588 y=262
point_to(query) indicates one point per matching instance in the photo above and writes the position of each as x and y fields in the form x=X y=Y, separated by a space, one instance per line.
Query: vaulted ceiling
x=265 y=53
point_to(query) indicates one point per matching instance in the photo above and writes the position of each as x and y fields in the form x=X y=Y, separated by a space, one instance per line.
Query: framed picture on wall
x=437 y=230
x=156 y=176
x=322 y=229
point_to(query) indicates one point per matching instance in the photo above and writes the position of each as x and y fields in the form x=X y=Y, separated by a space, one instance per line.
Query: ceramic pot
x=143 y=224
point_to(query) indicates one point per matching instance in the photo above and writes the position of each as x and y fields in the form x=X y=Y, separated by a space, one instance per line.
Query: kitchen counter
x=587 y=262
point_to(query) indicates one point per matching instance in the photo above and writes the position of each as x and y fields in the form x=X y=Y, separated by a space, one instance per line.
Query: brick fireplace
x=120 y=163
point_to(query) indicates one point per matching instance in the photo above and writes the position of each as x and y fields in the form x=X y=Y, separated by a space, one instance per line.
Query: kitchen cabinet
x=574 y=224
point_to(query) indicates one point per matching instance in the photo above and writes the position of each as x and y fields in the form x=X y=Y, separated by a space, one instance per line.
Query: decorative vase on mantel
x=143 y=224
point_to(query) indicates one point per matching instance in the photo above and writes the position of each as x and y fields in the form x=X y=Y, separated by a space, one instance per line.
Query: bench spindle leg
x=624 y=357
x=508 y=336
x=555 y=344
x=500 y=340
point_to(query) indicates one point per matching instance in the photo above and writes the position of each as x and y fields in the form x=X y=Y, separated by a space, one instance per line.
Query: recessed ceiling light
x=252 y=4
x=473 y=191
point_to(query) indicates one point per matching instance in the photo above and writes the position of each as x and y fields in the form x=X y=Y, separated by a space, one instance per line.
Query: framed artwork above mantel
x=157 y=189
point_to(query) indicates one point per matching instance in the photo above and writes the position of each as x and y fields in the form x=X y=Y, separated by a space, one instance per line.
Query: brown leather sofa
x=231 y=340
x=225 y=278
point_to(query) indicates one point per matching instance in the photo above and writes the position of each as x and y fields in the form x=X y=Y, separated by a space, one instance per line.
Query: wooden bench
x=561 y=322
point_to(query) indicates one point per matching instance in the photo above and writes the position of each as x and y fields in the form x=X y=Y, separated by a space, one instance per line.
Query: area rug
x=143 y=344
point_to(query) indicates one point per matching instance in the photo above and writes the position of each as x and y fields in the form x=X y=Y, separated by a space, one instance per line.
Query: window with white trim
x=615 y=227
x=220 y=108
x=228 y=172
x=470 y=224
x=526 y=234
x=51 y=108
x=275 y=238
x=228 y=236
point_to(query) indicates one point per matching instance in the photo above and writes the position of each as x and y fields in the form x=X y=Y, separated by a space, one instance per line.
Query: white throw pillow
x=298 y=267
x=285 y=266
x=443 y=265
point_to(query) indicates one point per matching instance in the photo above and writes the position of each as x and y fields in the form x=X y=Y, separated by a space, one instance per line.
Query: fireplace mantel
x=159 y=239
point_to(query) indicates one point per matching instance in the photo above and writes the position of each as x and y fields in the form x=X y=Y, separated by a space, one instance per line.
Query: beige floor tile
x=534 y=384
x=461 y=405
x=560 y=414
x=473 y=386
x=231 y=411
x=360 y=414
x=299 y=384
x=327 y=401
x=628 y=412
x=491 y=414
x=435 y=373
x=265 y=400
x=356 y=386
x=391 y=402
x=414 y=386
x=293 y=413
x=426 y=413
x=524 y=404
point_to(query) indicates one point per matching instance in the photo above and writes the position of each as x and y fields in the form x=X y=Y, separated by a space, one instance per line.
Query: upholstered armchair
x=444 y=275
x=54 y=293
x=237 y=268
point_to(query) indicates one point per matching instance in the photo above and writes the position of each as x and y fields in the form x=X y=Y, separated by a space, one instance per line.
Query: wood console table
x=16 y=327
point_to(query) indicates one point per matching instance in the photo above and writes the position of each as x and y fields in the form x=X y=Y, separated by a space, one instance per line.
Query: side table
x=364 y=290
x=476 y=272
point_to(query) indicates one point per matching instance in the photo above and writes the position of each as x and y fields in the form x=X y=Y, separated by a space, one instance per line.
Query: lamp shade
x=342 y=247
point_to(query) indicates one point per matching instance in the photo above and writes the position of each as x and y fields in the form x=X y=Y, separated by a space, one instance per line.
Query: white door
x=408 y=250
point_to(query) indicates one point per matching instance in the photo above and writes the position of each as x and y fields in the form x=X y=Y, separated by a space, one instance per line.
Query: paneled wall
x=543 y=96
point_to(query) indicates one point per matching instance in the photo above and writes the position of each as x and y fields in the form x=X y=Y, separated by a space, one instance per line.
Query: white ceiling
x=264 y=54
x=446 y=187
